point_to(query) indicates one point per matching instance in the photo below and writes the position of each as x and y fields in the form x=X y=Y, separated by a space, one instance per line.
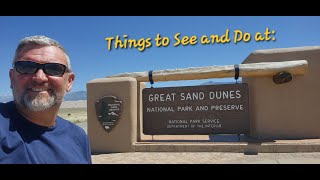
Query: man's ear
x=71 y=77
x=11 y=74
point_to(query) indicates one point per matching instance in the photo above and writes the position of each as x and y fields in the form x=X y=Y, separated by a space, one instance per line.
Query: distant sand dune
x=74 y=104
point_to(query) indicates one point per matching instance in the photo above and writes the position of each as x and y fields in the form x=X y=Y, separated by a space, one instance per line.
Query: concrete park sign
x=210 y=109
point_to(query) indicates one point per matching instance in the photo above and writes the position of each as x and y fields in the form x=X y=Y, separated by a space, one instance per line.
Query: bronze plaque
x=108 y=110
x=211 y=109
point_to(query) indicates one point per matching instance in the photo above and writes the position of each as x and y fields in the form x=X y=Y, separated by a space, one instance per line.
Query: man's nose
x=40 y=76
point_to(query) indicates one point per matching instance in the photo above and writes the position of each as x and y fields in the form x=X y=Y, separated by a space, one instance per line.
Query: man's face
x=40 y=91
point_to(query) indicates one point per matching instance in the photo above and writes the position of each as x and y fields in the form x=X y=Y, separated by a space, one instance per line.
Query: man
x=30 y=130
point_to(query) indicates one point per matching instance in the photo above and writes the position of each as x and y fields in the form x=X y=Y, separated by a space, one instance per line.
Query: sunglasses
x=30 y=67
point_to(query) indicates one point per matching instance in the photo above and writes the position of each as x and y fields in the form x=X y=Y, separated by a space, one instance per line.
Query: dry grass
x=75 y=115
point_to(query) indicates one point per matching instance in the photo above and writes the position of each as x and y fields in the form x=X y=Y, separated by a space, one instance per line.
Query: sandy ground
x=74 y=111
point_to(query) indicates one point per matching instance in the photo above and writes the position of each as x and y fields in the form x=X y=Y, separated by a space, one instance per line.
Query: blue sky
x=84 y=39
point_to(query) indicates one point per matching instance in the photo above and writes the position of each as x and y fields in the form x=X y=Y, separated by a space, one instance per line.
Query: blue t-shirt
x=23 y=142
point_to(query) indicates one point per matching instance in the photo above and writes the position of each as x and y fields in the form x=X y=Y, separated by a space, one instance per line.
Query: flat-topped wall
x=124 y=133
x=290 y=110
x=277 y=111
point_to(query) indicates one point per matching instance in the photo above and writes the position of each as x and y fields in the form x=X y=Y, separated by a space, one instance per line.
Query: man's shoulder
x=70 y=125
x=6 y=109
x=2 y=105
x=6 y=113
x=6 y=104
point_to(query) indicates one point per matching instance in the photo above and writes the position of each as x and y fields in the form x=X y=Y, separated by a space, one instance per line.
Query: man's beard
x=39 y=102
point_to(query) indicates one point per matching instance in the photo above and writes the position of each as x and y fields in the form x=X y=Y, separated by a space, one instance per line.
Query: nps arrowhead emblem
x=108 y=110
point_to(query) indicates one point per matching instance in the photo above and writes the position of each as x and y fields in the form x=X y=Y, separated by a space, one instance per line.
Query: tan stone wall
x=286 y=111
x=124 y=134
x=140 y=135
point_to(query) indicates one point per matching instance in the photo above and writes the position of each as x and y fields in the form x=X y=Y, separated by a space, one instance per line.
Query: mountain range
x=212 y=83
x=71 y=96
x=82 y=95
